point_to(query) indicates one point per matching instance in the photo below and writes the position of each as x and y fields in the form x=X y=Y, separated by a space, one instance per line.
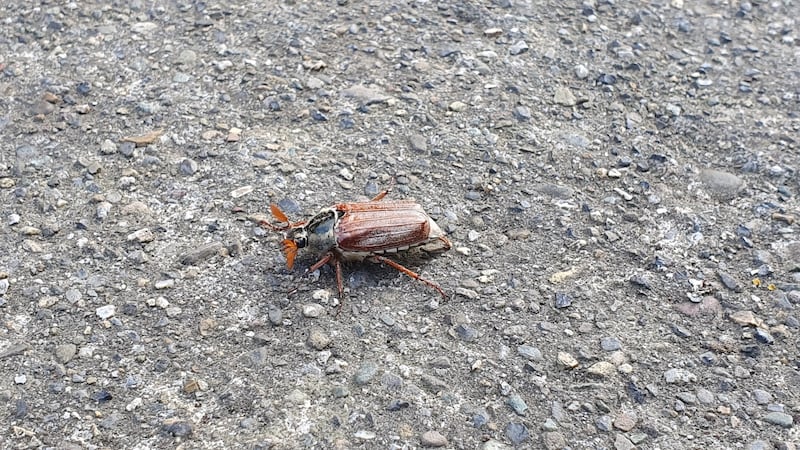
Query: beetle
x=362 y=231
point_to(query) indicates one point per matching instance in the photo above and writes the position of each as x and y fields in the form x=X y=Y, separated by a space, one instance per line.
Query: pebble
x=492 y=444
x=624 y=421
x=679 y=376
x=603 y=369
x=623 y=443
x=522 y=113
x=433 y=384
x=581 y=72
x=346 y=174
x=687 y=398
x=610 y=344
x=705 y=396
x=318 y=339
x=297 y=397
x=562 y=300
x=106 y=312
x=365 y=95
x=177 y=428
x=313 y=310
x=72 y=295
x=365 y=435
x=531 y=353
x=762 y=397
x=604 y=423
x=397 y=405
x=340 y=391
x=418 y=143
x=164 y=284
x=779 y=418
x=759 y=445
x=472 y=195
x=102 y=210
x=433 y=439
x=441 y=362
x=550 y=425
x=457 y=106
x=142 y=236
x=517 y=432
x=763 y=336
x=729 y=282
x=518 y=48
x=746 y=318
x=365 y=373
x=201 y=253
x=241 y=191
x=722 y=184
x=135 y=403
x=466 y=332
x=517 y=404
x=681 y=331
x=564 y=96
x=552 y=440
x=28 y=230
x=387 y=319
x=188 y=166
x=566 y=360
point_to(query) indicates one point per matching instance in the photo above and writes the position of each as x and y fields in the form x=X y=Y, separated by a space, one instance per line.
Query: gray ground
x=619 y=180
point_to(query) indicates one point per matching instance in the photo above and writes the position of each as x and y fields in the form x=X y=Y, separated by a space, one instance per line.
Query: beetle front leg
x=401 y=268
x=324 y=260
x=337 y=265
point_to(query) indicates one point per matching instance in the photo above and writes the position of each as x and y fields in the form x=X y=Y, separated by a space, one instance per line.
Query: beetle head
x=295 y=235
x=294 y=239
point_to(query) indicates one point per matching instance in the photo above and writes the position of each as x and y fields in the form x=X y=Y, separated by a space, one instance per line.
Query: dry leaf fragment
x=145 y=139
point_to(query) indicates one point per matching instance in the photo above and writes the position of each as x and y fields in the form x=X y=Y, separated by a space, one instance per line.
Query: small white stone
x=135 y=403
x=566 y=360
x=312 y=310
x=106 y=312
x=321 y=295
x=346 y=174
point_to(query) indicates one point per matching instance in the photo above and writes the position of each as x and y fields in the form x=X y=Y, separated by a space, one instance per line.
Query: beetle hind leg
x=335 y=261
x=399 y=267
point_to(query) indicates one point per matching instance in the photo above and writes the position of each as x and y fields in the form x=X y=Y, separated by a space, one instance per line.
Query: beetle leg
x=379 y=196
x=385 y=191
x=401 y=268
x=338 y=266
x=325 y=260
x=265 y=224
x=316 y=266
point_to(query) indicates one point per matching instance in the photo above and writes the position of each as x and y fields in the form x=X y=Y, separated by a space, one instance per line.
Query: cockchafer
x=362 y=231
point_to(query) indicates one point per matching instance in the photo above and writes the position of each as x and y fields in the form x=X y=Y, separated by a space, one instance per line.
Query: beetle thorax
x=318 y=234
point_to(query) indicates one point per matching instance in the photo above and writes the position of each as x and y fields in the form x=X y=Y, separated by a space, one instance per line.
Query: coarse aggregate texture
x=619 y=181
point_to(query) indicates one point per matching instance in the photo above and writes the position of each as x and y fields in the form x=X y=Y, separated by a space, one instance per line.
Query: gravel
x=619 y=181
